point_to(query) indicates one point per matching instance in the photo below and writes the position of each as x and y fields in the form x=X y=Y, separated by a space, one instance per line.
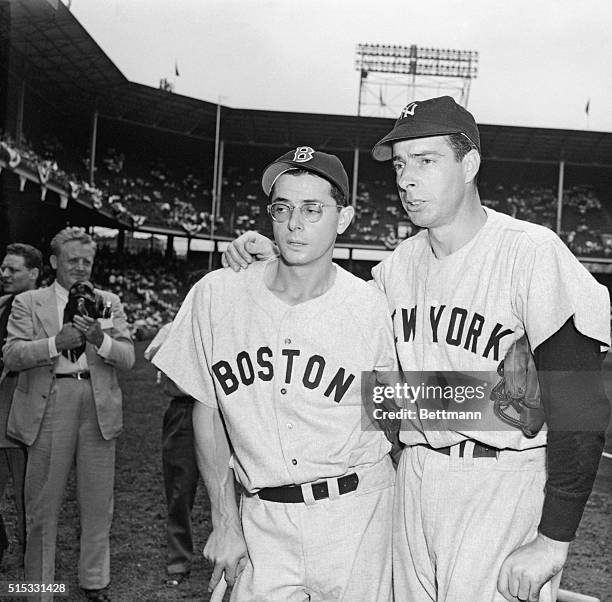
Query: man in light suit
x=19 y=272
x=66 y=409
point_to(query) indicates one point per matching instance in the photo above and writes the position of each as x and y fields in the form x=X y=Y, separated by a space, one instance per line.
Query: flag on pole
x=587 y=107
x=176 y=69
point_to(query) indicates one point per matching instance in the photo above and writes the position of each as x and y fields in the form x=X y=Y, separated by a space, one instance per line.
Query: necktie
x=74 y=354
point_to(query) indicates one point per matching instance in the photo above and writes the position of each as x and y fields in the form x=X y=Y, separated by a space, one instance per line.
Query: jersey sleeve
x=185 y=356
x=375 y=322
x=556 y=288
x=378 y=276
x=385 y=352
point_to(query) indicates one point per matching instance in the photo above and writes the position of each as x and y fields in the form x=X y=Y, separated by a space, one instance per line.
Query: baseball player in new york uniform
x=484 y=515
x=276 y=353
x=477 y=515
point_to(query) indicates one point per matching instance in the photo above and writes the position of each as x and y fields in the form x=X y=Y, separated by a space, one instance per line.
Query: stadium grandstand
x=166 y=179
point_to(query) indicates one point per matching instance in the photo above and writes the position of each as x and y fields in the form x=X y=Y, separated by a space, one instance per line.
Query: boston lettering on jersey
x=313 y=372
x=462 y=329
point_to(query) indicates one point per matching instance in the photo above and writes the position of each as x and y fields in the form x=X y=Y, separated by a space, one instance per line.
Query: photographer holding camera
x=67 y=405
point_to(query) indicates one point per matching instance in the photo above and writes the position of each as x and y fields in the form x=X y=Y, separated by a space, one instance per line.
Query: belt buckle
x=80 y=375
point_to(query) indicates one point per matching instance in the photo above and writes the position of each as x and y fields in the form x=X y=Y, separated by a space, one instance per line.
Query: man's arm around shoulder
x=225 y=547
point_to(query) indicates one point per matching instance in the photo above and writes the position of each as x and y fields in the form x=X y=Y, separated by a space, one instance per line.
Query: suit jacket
x=7 y=387
x=34 y=318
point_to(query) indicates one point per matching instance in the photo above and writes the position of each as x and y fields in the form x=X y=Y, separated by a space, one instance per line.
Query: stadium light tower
x=393 y=76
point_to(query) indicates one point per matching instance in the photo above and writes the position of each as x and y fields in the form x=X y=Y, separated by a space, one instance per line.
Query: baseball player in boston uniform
x=276 y=354
x=484 y=515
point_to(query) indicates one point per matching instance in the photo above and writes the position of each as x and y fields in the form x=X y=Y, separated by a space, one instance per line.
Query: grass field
x=138 y=542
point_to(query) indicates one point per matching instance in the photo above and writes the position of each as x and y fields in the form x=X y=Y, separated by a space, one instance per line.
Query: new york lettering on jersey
x=460 y=312
x=451 y=325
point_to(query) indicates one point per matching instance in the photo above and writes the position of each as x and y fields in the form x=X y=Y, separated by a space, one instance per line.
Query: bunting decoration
x=118 y=208
x=391 y=240
x=96 y=198
x=14 y=158
x=138 y=220
x=44 y=171
x=190 y=228
x=75 y=190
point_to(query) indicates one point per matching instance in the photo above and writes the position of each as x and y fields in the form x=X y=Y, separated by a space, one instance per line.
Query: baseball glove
x=516 y=397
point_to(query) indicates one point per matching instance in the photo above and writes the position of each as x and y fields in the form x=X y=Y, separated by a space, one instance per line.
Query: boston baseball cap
x=423 y=118
x=327 y=166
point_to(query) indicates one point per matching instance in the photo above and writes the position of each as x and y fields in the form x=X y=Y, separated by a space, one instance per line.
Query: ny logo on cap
x=409 y=110
x=303 y=154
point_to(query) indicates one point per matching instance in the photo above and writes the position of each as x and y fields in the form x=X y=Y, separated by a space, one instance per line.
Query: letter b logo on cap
x=303 y=154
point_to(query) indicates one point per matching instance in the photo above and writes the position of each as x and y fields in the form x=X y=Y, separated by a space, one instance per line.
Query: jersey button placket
x=284 y=409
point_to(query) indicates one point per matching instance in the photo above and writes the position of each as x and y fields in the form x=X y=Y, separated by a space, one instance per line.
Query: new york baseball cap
x=327 y=166
x=423 y=118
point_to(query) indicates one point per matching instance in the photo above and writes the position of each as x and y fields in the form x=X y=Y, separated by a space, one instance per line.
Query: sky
x=541 y=61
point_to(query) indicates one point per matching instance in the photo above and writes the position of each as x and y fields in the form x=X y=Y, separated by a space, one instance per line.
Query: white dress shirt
x=64 y=365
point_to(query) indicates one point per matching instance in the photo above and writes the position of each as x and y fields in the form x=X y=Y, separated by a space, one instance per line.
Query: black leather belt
x=82 y=375
x=480 y=450
x=292 y=494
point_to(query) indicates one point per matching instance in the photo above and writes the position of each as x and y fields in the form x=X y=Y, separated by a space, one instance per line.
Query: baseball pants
x=332 y=549
x=456 y=519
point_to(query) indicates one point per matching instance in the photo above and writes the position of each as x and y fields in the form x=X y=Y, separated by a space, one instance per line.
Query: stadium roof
x=339 y=132
x=63 y=64
x=58 y=55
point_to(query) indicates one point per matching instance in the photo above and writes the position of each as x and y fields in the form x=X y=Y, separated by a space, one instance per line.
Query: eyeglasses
x=310 y=211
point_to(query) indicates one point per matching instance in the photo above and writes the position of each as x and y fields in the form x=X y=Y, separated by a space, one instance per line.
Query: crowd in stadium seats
x=244 y=205
x=149 y=287
x=42 y=165
x=377 y=215
x=157 y=193
x=139 y=192
x=585 y=223
x=537 y=204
